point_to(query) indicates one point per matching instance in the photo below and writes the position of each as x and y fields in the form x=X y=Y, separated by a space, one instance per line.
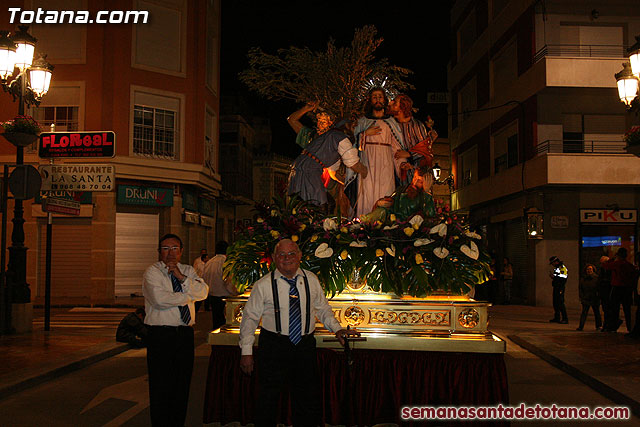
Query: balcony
x=581 y=51
x=580 y=66
x=580 y=146
x=568 y=163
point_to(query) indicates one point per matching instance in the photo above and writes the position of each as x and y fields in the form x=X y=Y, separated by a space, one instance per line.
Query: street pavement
x=606 y=362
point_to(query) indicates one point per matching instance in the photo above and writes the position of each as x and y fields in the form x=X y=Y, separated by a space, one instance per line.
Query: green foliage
x=337 y=78
x=417 y=257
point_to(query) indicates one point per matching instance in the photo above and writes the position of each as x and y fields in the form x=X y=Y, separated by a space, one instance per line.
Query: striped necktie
x=185 y=315
x=295 y=316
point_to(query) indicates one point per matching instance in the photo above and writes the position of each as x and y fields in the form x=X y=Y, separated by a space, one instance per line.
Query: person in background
x=198 y=265
x=507 y=279
x=492 y=289
x=132 y=330
x=588 y=292
x=218 y=287
x=200 y=261
x=604 y=292
x=623 y=280
x=169 y=290
x=558 y=274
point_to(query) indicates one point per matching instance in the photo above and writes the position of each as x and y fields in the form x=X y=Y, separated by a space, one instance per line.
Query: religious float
x=401 y=275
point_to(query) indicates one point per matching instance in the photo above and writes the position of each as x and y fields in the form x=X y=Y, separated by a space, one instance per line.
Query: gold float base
x=387 y=322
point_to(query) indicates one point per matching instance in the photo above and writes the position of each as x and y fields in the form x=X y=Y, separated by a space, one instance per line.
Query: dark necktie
x=185 y=315
x=295 y=317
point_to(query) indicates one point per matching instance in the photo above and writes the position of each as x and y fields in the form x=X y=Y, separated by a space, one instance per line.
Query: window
x=154 y=132
x=505 y=148
x=64 y=119
x=468 y=167
x=209 y=141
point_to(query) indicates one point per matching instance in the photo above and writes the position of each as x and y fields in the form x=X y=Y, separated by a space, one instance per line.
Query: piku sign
x=77 y=144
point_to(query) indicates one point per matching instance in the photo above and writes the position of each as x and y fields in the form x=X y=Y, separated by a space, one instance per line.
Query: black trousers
x=217 y=305
x=621 y=295
x=585 y=311
x=170 y=354
x=559 y=309
x=283 y=366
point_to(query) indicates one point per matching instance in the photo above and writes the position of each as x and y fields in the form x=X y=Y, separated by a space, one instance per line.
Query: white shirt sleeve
x=323 y=310
x=251 y=315
x=348 y=153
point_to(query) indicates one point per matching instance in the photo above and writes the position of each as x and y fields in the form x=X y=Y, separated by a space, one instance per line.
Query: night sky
x=416 y=36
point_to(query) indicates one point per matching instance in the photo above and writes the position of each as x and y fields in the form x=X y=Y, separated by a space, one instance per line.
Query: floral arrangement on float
x=419 y=256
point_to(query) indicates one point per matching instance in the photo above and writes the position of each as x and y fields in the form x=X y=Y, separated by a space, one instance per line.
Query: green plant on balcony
x=632 y=138
x=22 y=124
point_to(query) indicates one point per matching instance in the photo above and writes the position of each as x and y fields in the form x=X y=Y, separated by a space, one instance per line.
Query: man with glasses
x=288 y=301
x=170 y=290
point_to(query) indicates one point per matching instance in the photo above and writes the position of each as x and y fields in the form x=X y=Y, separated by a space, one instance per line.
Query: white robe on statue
x=377 y=155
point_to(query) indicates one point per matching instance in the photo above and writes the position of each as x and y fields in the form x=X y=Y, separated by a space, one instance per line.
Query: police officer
x=558 y=274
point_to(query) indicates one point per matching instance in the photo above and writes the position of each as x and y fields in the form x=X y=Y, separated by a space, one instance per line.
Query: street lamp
x=437 y=172
x=27 y=81
x=627 y=79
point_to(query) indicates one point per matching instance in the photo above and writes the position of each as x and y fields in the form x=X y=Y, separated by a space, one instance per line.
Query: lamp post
x=26 y=81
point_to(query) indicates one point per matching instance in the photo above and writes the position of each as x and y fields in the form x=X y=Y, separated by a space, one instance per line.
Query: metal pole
x=5 y=313
x=47 y=282
x=17 y=268
x=47 y=268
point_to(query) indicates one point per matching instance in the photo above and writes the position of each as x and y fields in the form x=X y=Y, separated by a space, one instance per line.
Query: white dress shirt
x=260 y=306
x=198 y=265
x=161 y=303
x=212 y=275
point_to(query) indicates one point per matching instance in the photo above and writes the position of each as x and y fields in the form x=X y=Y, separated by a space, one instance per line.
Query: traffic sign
x=78 y=177
x=24 y=182
x=77 y=144
x=63 y=206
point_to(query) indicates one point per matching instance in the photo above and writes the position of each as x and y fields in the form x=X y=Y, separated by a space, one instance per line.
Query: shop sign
x=83 y=197
x=207 y=221
x=78 y=177
x=77 y=144
x=609 y=216
x=144 y=196
x=206 y=206
x=189 y=200
x=63 y=206
x=559 y=221
x=192 y=217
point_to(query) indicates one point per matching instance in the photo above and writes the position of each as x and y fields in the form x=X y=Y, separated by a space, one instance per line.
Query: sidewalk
x=78 y=338
x=607 y=362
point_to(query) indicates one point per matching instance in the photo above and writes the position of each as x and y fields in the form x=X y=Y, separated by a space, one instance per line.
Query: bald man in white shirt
x=287 y=348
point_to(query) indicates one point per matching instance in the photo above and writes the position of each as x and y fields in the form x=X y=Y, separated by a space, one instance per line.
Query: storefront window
x=599 y=240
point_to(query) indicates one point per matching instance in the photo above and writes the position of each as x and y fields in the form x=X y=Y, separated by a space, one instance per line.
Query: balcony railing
x=581 y=146
x=581 y=51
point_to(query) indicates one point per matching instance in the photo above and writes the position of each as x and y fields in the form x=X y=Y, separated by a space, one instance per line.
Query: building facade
x=536 y=124
x=156 y=85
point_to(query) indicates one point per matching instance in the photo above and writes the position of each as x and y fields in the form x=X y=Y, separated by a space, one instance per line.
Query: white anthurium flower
x=390 y=227
x=416 y=221
x=472 y=234
x=323 y=251
x=392 y=250
x=471 y=251
x=422 y=242
x=329 y=224
x=358 y=244
x=441 y=252
x=355 y=226
x=441 y=229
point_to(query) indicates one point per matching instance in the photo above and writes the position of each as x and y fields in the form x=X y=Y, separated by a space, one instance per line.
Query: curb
x=8 y=391
x=597 y=385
